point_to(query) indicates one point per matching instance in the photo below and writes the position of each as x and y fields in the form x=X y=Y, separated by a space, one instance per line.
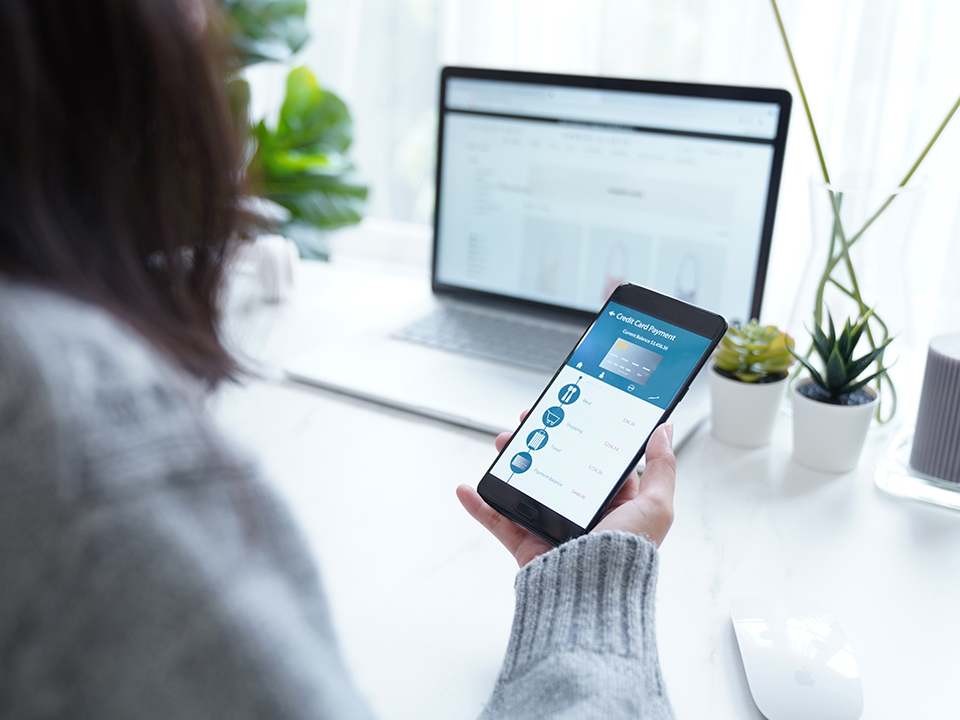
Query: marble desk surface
x=423 y=597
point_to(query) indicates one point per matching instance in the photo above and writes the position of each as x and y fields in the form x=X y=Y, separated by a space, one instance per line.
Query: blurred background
x=880 y=77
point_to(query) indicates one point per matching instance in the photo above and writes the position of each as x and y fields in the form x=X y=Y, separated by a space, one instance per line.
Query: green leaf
x=821 y=343
x=853 y=387
x=836 y=371
x=302 y=166
x=858 y=366
x=266 y=30
x=814 y=375
x=727 y=359
x=310 y=241
x=858 y=329
x=311 y=118
x=292 y=164
x=325 y=210
x=844 y=346
x=279 y=187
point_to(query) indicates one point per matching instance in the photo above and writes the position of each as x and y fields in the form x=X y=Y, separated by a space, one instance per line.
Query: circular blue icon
x=521 y=462
x=537 y=439
x=553 y=416
x=569 y=394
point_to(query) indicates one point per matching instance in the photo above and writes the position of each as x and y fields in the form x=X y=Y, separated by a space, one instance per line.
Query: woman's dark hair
x=120 y=170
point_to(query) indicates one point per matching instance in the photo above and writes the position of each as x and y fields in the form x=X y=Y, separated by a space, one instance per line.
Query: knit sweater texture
x=149 y=572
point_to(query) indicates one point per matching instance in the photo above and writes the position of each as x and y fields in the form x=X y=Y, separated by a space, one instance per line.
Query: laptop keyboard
x=537 y=345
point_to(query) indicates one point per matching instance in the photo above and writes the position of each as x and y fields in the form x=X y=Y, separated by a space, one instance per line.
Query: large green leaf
x=310 y=241
x=283 y=164
x=312 y=118
x=302 y=166
x=266 y=30
x=324 y=210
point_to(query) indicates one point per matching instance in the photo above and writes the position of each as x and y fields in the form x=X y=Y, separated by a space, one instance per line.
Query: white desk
x=423 y=597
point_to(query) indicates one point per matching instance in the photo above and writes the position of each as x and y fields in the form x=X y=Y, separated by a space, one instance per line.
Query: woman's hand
x=644 y=505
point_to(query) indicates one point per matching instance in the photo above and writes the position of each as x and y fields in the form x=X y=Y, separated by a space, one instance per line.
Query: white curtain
x=880 y=76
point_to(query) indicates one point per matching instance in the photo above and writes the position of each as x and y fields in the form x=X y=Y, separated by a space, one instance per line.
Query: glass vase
x=876 y=219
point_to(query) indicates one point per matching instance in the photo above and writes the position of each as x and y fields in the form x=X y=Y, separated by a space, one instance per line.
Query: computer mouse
x=798 y=663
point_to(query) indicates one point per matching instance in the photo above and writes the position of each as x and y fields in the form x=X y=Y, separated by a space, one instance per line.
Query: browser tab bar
x=708 y=116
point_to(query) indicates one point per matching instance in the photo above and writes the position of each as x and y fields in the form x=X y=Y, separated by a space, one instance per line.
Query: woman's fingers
x=644 y=505
x=650 y=511
x=504 y=438
x=500 y=526
x=521 y=543
x=660 y=474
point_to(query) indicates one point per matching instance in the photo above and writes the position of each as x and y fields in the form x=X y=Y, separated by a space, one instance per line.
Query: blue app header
x=639 y=354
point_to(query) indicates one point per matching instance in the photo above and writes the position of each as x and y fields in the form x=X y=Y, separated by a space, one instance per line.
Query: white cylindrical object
x=276 y=257
x=936 y=440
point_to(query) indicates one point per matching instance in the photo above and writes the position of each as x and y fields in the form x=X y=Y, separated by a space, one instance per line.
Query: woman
x=147 y=571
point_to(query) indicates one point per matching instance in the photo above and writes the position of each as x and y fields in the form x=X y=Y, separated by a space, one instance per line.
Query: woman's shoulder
x=75 y=346
x=91 y=399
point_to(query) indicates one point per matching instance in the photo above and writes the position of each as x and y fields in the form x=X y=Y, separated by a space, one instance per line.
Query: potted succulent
x=747 y=381
x=832 y=409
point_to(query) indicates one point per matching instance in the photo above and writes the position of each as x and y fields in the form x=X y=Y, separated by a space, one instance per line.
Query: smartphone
x=589 y=428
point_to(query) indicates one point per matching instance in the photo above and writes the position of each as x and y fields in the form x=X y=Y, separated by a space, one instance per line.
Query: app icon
x=521 y=462
x=569 y=394
x=553 y=416
x=537 y=439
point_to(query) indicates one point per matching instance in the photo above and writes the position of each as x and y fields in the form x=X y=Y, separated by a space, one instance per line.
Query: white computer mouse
x=798 y=663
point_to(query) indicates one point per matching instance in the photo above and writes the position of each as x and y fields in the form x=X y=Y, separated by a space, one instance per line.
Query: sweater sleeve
x=583 y=643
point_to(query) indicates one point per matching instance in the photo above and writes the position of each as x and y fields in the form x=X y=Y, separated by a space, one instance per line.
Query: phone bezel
x=549 y=524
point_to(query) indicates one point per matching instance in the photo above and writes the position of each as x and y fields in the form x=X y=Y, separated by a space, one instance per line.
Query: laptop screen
x=556 y=189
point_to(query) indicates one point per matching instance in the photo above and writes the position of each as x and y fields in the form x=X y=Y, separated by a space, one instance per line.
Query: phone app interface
x=583 y=434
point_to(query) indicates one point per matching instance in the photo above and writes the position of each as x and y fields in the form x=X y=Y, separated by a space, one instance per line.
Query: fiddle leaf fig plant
x=840 y=379
x=302 y=164
x=299 y=169
x=754 y=353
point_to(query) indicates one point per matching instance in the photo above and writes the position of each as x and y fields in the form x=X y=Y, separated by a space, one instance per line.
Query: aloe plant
x=841 y=375
x=839 y=258
x=754 y=353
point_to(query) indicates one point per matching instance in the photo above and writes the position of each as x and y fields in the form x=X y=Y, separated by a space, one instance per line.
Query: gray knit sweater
x=147 y=572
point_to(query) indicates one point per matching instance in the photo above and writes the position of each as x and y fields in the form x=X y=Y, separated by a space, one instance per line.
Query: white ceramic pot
x=743 y=413
x=829 y=437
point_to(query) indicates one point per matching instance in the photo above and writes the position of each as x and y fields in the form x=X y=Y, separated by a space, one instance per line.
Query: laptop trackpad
x=451 y=387
x=492 y=396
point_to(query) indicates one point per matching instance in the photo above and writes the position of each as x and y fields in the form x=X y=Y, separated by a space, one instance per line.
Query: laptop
x=551 y=190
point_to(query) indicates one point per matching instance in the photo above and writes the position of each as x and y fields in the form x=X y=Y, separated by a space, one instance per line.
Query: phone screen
x=586 y=430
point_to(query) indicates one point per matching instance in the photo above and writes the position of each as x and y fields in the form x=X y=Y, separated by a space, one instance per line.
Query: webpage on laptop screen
x=560 y=194
x=583 y=433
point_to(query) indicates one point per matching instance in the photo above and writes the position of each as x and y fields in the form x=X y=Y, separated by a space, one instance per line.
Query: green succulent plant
x=754 y=353
x=841 y=371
